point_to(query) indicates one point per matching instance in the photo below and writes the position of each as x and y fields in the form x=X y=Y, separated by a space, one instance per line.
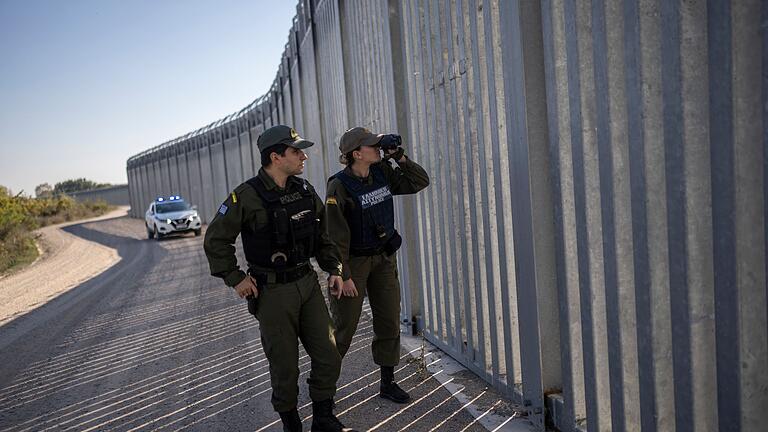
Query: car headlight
x=193 y=217
x=168 y=221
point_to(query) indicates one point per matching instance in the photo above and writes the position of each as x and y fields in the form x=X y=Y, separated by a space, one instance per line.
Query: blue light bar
x=159 y=199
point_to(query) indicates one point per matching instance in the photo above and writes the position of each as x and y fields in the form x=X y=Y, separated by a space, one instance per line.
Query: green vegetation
x=76 y=185
x=20 y=215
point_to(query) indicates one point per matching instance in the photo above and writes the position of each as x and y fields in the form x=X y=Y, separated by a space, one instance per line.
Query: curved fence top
x=261 y=104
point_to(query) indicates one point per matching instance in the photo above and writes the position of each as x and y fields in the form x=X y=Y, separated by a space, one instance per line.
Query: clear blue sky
x=85 y=84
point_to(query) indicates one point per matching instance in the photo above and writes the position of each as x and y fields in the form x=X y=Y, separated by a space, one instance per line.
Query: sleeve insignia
x=223 y=209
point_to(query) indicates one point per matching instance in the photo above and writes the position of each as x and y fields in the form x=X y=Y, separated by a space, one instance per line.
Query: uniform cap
x=282 y=134
x=358 y=137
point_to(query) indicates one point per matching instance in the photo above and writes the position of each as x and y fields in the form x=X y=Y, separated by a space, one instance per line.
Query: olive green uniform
x=286 y=311
x=374 y=276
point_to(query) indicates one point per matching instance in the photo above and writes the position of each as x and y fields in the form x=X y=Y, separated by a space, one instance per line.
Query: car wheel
x=150 y=233
x=158 y=235
x=197 y=232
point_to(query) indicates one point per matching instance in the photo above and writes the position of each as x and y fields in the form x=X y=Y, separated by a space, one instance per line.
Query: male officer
x=282 y=222
x=361 y=221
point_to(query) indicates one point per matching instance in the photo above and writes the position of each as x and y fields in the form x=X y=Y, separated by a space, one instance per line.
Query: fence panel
x=246 y=157
x=220 y=188
x=285 y=92
x=316 y=164
x=183 y=170
x=144 y=194
x=368 y=65
x=644 y=136
x=157 y=188
x=457 y=116
x=274 y=106
x=163 y=173
x=196 y=194
x=232 y=159
x=330 y=81
x=174 y=186
x=593 y=243
x=255 y=132
x=294 y=80
x=133 y=190
x=211 y=196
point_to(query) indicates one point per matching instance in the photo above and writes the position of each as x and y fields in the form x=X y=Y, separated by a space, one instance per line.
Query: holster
x=393 y=244
x=253 y=302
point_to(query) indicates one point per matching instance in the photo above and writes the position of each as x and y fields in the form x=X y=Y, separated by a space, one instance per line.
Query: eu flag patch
x=223 y=209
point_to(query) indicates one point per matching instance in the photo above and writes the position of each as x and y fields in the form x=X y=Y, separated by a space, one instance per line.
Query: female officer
x=361 y=221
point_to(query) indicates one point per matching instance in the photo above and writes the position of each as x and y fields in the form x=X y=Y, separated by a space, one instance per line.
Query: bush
x=20 y=215
x=16 y=223
x=15 y=214
x=18 y=248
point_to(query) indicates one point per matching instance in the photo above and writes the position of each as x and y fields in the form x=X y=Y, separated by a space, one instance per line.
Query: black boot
x=389 y=389
x=323 y=419
x=291 y=421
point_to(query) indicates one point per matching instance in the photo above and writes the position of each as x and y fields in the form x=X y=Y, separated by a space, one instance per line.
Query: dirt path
x=65 y=262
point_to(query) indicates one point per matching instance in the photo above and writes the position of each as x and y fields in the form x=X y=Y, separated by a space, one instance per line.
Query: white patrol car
x=168 y=215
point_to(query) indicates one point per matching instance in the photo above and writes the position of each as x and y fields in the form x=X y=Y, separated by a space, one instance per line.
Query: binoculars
x=390 y=142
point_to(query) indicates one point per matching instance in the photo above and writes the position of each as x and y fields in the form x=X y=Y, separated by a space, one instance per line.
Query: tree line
x=67 y=187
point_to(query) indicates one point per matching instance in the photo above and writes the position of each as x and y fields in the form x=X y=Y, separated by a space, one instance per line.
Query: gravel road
x=65 y=261
x=110 y=331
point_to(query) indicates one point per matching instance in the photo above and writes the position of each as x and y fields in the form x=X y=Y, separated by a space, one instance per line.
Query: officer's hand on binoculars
x=348 y=288
x=397 y=154
x=334 y=285
x=247 y=287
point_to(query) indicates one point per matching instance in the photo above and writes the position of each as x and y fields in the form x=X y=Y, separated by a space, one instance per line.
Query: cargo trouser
x=376 y=277
x=289 y=312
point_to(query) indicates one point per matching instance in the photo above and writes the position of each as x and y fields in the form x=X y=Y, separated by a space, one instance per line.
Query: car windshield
x=171 y=207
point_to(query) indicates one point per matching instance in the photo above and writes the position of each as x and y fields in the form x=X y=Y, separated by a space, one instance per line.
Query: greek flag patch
x=223 y=209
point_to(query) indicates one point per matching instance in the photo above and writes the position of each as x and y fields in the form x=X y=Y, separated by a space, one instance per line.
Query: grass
x=20 y=216
x=17 y=251
x=81 y=211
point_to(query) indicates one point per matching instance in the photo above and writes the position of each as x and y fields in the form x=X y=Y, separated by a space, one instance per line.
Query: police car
x=168 y=215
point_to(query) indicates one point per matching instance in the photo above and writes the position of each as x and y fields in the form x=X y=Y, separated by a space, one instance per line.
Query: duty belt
x=281 y=277
x=367 y=251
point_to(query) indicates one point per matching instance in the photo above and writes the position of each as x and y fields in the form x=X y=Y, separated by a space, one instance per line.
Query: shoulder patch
x=330 y=201
x=234 y=198
x=223 y=209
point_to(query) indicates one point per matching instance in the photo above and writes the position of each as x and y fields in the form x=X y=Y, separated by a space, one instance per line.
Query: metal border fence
x=594 y=240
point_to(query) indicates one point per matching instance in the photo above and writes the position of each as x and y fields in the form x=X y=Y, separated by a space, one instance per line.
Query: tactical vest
x=289 y=238
x=372 y=221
